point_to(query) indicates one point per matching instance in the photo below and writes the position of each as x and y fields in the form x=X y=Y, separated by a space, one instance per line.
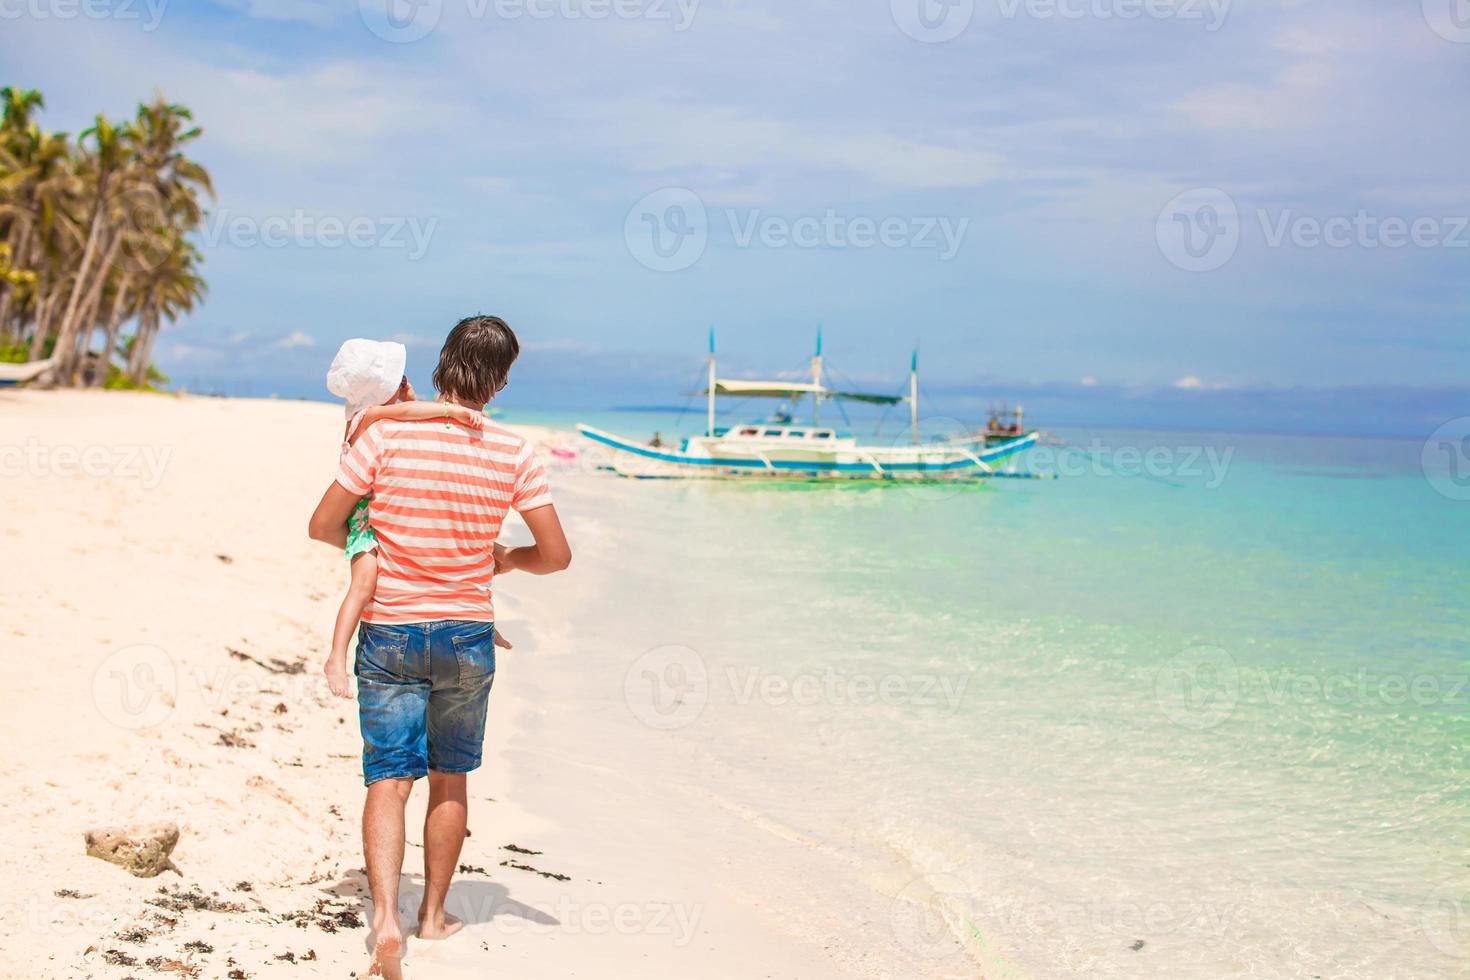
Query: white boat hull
x=721 y=457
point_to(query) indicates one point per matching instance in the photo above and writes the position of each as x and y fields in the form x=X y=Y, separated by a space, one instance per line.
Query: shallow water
x=1196 y=709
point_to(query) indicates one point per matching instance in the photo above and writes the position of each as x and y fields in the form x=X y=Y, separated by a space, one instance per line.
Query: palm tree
x=107 y=171
x=169 y=290
x=38 y=194
x=94 y=235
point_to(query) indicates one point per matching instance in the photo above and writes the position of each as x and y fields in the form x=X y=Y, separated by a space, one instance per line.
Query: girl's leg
x=359 y=594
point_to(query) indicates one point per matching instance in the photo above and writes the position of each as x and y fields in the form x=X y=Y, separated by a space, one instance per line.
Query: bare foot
x=336 y=672
x=387 y=957
x=439 y=927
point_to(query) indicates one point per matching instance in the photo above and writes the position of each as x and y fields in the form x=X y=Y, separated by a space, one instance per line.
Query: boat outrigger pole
x=914 y=397
x=817 y=380
x=710 y=429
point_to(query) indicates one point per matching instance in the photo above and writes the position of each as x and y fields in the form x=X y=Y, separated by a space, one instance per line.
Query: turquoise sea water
x=1199 y=708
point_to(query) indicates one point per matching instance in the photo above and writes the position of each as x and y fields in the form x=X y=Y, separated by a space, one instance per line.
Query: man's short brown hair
x=475 y=361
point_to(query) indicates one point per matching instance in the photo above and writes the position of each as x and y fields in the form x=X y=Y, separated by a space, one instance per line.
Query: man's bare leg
x=444 y=826
x=382 y=844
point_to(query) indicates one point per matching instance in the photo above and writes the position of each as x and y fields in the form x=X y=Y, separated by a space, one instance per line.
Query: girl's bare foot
x=388 y=956
x=336 y=673
x=441 y=926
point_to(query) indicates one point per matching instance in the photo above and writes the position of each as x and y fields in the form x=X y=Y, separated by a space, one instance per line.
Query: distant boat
x=781 y=447
x=1004 y=425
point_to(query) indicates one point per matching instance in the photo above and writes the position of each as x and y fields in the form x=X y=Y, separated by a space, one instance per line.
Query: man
x=425 y=657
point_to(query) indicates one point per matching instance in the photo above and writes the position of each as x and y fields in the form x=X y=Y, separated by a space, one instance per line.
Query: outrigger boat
x=781 y=447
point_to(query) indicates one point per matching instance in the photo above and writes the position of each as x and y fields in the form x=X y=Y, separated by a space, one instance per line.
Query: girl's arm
x=417 y=412
x=550 y=553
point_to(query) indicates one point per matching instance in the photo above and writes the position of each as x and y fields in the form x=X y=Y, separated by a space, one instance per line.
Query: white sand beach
x=164 y=617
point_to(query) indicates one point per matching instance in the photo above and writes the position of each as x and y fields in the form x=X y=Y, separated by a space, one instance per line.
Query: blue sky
x=1106 y=202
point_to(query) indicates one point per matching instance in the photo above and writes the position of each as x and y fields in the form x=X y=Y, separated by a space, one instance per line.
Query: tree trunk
x=87 y=318
x=142 y=352
x=66 y=332
x=45 y=312
x=114 y=325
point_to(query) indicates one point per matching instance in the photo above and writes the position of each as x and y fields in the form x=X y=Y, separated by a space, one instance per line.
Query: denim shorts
x=422 y=691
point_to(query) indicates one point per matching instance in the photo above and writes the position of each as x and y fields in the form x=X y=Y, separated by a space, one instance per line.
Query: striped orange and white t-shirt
x=440 y=492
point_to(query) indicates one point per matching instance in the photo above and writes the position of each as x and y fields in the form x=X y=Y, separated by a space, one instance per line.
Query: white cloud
x=1298 y=95
x=1192 y=382
x=295 y=340
x=333 y=113
x=655 y=136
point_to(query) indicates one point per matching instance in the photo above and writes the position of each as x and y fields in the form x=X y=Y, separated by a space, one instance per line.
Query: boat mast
x=817 y=380
x=710 y=428
x=914 y=397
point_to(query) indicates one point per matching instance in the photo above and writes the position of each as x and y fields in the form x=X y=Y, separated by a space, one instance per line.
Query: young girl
x=369 y=375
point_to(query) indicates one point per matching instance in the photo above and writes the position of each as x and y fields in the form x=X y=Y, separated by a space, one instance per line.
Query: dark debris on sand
x=235 y=740
x=290 y=957
x=198 y=946
x=535 y=871
x=276 y=664
x=518 y=849
x=326 y=917
x=71 y=893
x=116 y=957
x=193 y=901
x=473 y=869
x=160 y=965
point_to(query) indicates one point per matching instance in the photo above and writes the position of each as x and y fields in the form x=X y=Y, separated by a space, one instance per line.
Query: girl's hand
x=502 y=642
x=466 y=416
x=336 y=673
x=503 y=563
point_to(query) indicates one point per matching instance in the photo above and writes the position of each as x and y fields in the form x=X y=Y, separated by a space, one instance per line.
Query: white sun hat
x=366 y=373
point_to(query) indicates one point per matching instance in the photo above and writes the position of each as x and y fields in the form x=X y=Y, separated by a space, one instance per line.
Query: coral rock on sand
x=143 y=851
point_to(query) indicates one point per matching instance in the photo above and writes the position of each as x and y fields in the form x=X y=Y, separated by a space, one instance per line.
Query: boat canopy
x=741 y=388
x=765 y=389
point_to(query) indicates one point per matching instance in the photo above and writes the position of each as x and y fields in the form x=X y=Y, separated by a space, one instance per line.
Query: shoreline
x=176 y=620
